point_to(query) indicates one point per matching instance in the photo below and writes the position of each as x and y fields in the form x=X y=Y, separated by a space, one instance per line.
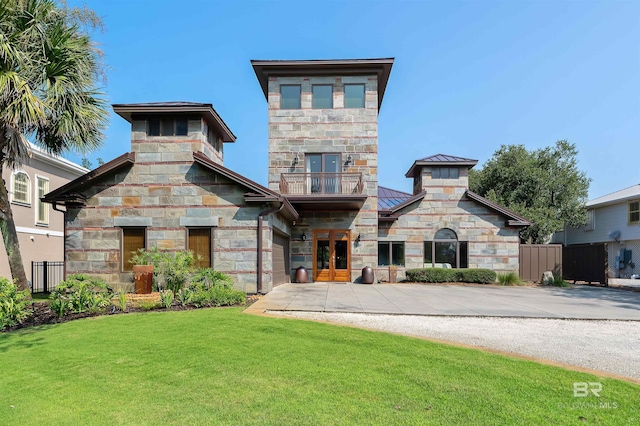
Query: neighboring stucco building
x=323 y=208
x=40 y=229
x=613 y=219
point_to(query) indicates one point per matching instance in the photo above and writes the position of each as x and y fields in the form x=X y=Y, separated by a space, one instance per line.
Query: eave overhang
x=380 y=67
x=420 y=163
x=325 y=202
x=390 y=215
x=513 y=219
x=70 y=193
x=256 y=194
x=206 y=111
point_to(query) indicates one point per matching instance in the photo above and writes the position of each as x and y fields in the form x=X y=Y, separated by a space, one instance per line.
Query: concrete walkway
x=581 y=302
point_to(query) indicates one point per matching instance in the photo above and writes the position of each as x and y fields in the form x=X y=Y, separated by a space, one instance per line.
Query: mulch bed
x=42 y=315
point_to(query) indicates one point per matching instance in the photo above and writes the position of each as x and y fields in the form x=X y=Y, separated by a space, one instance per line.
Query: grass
x=509 y=278
x=220 y=366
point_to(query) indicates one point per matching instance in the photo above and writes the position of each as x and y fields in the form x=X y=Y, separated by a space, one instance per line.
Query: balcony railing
x=320 y=183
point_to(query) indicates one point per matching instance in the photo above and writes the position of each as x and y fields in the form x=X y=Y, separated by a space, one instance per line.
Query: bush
x=15 y=306
x=216 y=296
x=443 y=275
x=166 y=298
x=80 y=293
x=171 y=271
x=211 y=278
x=509 y=278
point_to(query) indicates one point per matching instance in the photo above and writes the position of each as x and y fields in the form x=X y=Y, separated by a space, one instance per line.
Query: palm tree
x=48 y=73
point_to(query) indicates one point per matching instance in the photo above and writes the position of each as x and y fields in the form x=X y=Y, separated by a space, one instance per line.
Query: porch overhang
x=327 y=202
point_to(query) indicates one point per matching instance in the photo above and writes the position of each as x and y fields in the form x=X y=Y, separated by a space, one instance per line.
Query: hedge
x=442 y=275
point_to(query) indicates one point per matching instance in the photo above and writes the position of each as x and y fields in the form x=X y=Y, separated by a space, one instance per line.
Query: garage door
x=280 y=256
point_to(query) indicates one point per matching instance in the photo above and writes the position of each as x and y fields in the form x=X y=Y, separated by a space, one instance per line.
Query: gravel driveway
x=610 y=346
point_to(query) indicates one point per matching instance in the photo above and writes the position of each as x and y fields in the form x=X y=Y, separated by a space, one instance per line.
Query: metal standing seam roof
x=440 y=160
x=389 y=198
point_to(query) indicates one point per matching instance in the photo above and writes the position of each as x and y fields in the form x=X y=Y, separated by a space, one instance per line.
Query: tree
x=545 y=186
x=86 y=163
x=48 y=92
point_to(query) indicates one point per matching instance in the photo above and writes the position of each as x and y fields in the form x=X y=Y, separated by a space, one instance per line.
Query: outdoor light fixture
x=349 y=160
x=304 y=237
x=358 y=238
x=296 y=160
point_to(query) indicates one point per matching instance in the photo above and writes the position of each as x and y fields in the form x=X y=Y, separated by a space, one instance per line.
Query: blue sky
x=468 y=76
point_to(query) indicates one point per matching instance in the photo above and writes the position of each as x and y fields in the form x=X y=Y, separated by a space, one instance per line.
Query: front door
x=332 y=257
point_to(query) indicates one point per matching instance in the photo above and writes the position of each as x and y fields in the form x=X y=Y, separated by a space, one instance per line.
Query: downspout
x=64 y=238
x=260 y=220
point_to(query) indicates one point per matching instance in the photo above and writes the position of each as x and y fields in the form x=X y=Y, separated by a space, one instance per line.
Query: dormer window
x=444 y=173
x=167 y=127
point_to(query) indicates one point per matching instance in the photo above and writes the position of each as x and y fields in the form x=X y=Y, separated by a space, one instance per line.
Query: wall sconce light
x=304 y=237
x=358 y=238
x=296 y=160
x=349 y=160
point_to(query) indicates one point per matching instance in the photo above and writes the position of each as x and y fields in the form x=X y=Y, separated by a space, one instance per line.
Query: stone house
x=322 y=209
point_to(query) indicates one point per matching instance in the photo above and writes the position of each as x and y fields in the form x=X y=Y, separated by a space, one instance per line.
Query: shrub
x=558 y=281
x=211 y=278
x=215 y=296
x=122 y=301
x=443 y=275
x=184 y=295
x=166 y=298
x=15 y=305
x=508 y=278
x=170 y=270
x=80 y=293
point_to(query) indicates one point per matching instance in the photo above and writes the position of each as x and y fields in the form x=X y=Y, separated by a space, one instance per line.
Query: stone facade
x=166 y=192
x=345 y=131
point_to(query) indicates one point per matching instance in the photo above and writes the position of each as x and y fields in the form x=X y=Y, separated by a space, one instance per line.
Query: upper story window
x=322 y=96
x=167 y=127
x=590 y=225
x=444 y=173
x=354 y=95
x=290 y=97
x=634 y=212
x=42 y=209
x=21 y=188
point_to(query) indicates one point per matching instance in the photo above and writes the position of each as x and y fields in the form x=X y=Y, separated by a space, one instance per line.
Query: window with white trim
x=634 y=212
x=42 y=209
x=21 y=188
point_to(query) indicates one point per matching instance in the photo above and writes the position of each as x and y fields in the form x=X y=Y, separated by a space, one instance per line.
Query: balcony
x=324 y=191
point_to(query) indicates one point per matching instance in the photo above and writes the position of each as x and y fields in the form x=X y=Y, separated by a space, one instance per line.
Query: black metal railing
x=46 y=275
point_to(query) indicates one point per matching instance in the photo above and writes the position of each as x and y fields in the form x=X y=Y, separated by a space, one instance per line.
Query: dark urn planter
x=302 y=276
x=367 y=275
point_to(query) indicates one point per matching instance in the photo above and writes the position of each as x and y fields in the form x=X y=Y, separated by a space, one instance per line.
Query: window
x=590 y=225
x=167 y=127
x=322 y=96
x=21 y=188
x=132 y=240
x=42 y=209
x=634 y=212
x=391 y=253
x=444 y=173
x=199 y=241
x=446 y=249
x=354 y=95
x=289 y=97
x=323 y=173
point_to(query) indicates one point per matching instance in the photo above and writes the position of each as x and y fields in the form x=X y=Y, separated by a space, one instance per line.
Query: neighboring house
x=322 y=209
x=40 y=229
x=613 y=219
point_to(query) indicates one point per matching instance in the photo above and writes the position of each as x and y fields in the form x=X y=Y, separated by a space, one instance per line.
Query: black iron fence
x=46 y=275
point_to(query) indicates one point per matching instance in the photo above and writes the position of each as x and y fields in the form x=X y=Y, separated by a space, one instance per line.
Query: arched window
x=21 y=188
x=446 y=250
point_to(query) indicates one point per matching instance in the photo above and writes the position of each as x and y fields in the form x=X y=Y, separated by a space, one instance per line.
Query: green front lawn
x=220 y=366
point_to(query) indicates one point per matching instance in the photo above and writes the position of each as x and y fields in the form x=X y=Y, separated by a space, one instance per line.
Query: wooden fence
x=535 y=259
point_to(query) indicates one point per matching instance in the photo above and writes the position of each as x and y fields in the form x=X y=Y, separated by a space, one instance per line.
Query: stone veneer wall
x=351 y=131
x=492 y=245
x=167 y=192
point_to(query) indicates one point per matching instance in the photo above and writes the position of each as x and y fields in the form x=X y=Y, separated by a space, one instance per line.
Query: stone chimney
x=442 y=177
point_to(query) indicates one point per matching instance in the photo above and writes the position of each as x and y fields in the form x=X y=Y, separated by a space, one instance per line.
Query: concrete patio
x=581 y=302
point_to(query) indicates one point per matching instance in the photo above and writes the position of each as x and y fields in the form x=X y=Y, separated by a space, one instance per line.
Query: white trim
x=62 y=163
x=38 y=203
x=13 y=189
x=25 y=230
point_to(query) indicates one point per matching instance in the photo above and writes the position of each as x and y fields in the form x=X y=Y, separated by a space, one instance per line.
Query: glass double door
x=323 y=173
x=332 y=257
